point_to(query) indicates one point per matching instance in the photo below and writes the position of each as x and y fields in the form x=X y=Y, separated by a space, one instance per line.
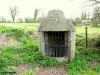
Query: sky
x=71 y=8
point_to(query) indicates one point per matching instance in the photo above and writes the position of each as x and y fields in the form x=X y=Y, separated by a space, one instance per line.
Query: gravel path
x=59 y=70
x=5 y=41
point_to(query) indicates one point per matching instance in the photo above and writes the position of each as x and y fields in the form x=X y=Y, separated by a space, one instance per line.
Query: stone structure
x=57 y=36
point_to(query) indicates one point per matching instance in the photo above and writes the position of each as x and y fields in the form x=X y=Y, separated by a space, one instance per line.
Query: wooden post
x=86 y=37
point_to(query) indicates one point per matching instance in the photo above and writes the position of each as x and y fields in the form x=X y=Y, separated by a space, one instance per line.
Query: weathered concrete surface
x=55 y=21
x=71 y=45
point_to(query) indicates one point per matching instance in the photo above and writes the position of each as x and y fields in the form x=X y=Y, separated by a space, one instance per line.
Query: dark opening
x=55 y=44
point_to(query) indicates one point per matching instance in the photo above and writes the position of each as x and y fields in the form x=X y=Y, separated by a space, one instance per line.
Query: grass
x=27 y=53
x=34 y=26
x=81 y=63
x=26 y=26
x=91 y=30
x=16 y=55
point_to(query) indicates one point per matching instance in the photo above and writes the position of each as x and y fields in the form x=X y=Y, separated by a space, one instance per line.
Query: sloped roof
x=55 y=21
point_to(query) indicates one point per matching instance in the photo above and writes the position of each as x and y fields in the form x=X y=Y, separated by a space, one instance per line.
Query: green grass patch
x=80 y=65
x=97 y=68
x=28 y=52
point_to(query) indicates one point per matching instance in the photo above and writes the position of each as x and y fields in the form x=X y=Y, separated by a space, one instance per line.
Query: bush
x=80 y=64
x=31 y=54
x=14 y=32
x=10 y=69
x=89 y=72
x=77 y=66
x=32 y=58
x=10 y=49
x=12 y=59
x=97 y=42
x=28 y=73
x=49 y=62
x=97 y=68
x=3 y=62
x=80 y=41
x=9 y=57
x=90 y=54
x=28 y=52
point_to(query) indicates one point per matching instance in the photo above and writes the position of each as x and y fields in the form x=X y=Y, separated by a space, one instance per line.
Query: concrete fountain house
x=57 y=36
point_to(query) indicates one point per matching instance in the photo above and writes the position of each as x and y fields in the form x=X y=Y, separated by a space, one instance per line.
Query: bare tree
x=13 y=10
x=36 y=12
x=2 y=19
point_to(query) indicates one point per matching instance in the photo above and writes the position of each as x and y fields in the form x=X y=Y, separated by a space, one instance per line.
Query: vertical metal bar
x=62 y=49
x=50 y=49
x=63 y=44
x=46 y=40
x=47 y=35
x=66 y=42
x=59 y=44
x=52 y=44
x=55 y=43
x=49 y=42
x=59 y=41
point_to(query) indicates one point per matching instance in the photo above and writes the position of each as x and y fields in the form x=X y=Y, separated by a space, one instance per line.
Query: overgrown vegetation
x=81 y=64
x=28 y=73
x=27 y=53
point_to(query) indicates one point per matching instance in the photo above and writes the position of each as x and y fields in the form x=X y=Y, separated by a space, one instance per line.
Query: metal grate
x=55 y=44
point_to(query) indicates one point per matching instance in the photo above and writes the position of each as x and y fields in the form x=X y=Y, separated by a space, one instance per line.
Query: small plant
x=14 y=32
x=49 y=62
x=97 y=68
x=88 y=72
x=80 y=41
x=3 y=62
x=97 y=42
x=28 y=73
x=12 y=59
x=10 y=69
x=77 y=66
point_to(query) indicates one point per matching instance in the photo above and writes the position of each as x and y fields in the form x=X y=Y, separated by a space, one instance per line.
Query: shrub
x=10 y=69
x=9 y=57
x=28 y=48
x=90 y=54
x=12 y=59
x=97 y=68
x=3 y=62
x=89 y=72
x=80 y=63
x=31 y=54
x=79 y=49
x=14 y=32
x=80 y=41
x=77 y=66
x=10 y=49
x=12 y=55
x=49 y=62
x=97 y=42
x=32 y=58
x=28 y=52
x=28 y=73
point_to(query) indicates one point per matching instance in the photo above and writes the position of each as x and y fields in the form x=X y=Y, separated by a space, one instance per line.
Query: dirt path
x=59 y=70
x=5 y=41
